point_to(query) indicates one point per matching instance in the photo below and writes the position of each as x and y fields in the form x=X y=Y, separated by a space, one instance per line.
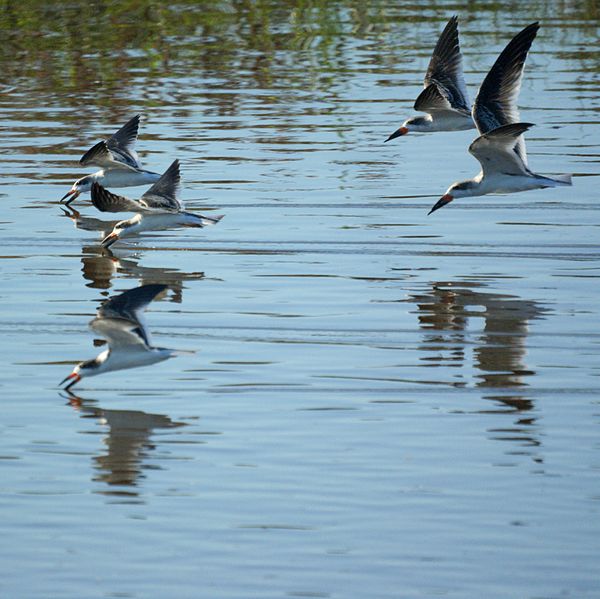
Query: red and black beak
x=445 y=199
x=397 y=133
x=109 y=240
x=76 y=378
x=73 y=192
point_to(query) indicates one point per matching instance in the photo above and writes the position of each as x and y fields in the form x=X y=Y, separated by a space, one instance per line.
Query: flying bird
x=444 y=97
x=118 y=161
x=158 y=209
x=500 y=147
x=120 y=322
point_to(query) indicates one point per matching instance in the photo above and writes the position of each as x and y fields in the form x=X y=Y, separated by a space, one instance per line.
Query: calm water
x=382 y=404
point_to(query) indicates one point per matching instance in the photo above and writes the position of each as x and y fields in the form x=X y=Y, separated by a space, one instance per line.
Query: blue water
x=381 y=403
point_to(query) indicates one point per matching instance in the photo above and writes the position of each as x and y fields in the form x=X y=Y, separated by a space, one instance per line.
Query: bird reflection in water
x=159 y=209
x=448 y=311
x=120 y=322
x=88 y=223
x=101 y=265
x=499 y=352
x=128 y=442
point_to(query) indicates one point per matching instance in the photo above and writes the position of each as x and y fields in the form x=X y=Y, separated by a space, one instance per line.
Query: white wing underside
x=495 y=151
x=121 y=333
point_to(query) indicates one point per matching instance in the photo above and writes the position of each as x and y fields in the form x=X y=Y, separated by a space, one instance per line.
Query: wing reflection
x=100 y=265
x=128 y=442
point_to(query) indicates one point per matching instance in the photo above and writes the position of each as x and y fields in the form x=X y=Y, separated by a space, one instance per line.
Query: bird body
x=131 y=357
x=115 y=177
x=156 y=222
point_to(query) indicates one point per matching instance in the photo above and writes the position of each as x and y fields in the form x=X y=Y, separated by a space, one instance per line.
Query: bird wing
x=101 y=155
x=495 y=150
x=164 y=194
x=129 y=307
x=496 y=101
x=123 y=141
x=106 y=201
x=445 y=71
x=432 y=100
x=120 y=332
x=118 y=148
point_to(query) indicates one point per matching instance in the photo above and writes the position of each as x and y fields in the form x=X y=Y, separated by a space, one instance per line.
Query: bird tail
x=182 y=352
x=199 y=220
x=554 y=180
x=562 y=179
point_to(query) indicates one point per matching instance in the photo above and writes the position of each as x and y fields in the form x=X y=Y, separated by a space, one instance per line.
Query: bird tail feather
x=563 y=179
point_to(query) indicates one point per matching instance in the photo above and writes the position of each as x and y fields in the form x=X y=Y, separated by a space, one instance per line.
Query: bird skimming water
x=118 y=161
x=120 y=322
x=158 y=209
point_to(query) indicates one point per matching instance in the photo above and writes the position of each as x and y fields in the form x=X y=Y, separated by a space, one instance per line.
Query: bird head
x=83 y=369
x=80 y=186
x=418 y=124
x=74 y=377
x=461 y=189
x=124 y=228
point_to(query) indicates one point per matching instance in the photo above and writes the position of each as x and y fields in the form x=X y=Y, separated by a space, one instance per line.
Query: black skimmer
x=118 y=161
x=444 y=97
x=500 y=148
x=158 y=209
x=120 y=322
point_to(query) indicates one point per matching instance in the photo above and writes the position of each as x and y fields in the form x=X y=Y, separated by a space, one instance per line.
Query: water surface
x=381 y=403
